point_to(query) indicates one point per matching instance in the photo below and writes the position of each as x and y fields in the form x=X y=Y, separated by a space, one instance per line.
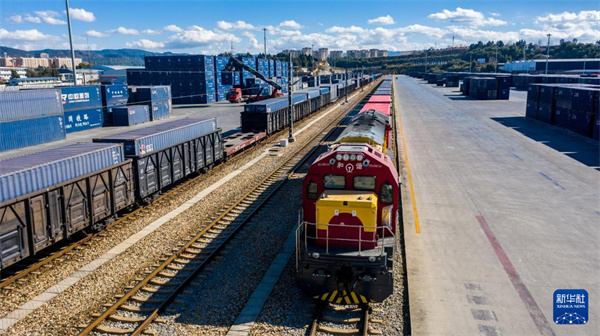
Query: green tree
x=14 y=74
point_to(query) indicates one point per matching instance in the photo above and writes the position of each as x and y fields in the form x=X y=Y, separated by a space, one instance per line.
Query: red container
x=380 y=99
x=384 y=108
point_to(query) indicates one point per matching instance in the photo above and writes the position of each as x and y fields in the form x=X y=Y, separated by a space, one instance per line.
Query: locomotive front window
x=311 y=190
x=364 y=182
x=334 y=181
x=387 y=193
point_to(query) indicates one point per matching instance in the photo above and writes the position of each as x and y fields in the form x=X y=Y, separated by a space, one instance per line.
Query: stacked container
x=157 y=98
x=225 y=80
x=192 y=78
x=251 y=62
x=262 y=66
x=82 y=106
x=271 y=68
x=113 y=95
x=30 y=117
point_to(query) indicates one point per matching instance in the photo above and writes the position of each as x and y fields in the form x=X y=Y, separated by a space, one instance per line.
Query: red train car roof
x=385 y=108
x=380 y=99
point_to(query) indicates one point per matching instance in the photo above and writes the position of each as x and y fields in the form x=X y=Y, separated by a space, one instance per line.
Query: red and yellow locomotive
x=346 y=238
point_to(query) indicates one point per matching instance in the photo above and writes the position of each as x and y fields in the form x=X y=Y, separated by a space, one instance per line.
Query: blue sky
x=211 y=26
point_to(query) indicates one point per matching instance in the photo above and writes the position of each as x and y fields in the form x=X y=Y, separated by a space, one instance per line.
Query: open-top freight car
x=164 y=154
x=48 y=196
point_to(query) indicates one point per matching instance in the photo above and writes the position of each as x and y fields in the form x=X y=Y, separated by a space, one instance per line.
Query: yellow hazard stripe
x=324 y=296
x=354 y=298
x=333 y=295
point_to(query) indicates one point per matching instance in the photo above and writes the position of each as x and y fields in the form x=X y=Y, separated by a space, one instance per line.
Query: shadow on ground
x=586 y=151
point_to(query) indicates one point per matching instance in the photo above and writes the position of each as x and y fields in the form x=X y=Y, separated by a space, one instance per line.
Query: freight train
x=48 y=197
x=347 y=231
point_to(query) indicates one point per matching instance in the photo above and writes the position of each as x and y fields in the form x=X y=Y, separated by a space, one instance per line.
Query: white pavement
x=509 y=211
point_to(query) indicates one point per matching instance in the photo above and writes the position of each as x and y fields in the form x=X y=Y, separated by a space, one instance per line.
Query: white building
x=5 y=73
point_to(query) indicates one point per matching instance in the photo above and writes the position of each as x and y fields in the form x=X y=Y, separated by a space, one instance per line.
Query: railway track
x=343 y=320
x=139 y=307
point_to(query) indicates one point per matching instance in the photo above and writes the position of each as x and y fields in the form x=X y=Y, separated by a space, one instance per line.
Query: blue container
x=114 y=94
x=312 y=93
x=83 y=119
x=153 y=138
x=324 y=90
x=26 y=174
x=150 y=94
x=160 y=111
x=30 y=132
x=81 y=97
x=25 y=104
x=131 y=115
x=180 y=62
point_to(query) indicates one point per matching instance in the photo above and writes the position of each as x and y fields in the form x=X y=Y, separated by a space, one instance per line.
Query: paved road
x=227 y=114
x=509 y=211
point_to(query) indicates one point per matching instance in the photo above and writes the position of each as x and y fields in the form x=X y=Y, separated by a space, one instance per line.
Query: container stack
x=262 y=66
x=82 y=106
x=251 y=62
x=225 y=79
x=483 y=88
x=572 y=107
x=192 y=78
x=271 y=69
x=113 y=95
x=30 y=117
x=157 y=98
x=278 y=68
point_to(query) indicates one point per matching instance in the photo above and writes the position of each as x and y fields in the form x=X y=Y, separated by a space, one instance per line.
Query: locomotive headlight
x=372 y=259
x=346 y=157
x=352 y=157
x=338 y=157
x=316 y=255
x=359 y=157
x=332 y=161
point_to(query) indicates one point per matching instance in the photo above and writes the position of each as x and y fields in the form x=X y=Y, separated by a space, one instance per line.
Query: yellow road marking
x=410 y=182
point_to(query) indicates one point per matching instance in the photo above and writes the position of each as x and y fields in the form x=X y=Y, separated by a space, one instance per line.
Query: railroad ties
x=343 y=320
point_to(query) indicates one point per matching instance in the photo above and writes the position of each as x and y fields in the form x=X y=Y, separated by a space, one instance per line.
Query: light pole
x=547 y=53
x=346 y=83
x=584 y=59
x=290 y=106
x=265 y=40
x=426 y=52
x=470 y=62
x=71 y=43
x=496 y=71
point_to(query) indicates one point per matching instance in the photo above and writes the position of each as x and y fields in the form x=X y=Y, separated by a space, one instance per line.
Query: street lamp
x=584 y=59
x=547 y=53
x=71 y=44
x=470 y=62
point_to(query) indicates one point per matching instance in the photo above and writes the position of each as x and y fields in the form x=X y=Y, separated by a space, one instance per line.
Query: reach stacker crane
x=235 y=94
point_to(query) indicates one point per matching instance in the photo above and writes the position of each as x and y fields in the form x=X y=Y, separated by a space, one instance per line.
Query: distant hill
x=98 y=57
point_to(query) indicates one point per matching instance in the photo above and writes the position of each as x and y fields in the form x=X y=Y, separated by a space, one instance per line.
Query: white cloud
x=173 y=28
x=15 y=19
x=50 y=17
x=145 y=44
x=32 y=19
x=196 y=36
x=351 y=29
x=256 y=47
x=472 y=17
x=95 y=33
x=494 y=14
x=384 y=20
x=237 y=25
x=418 y=29
x=28 y=39
x=125 y=31
x=290 y=24
x=150 y=31
x=583 y=16
x=81 y=15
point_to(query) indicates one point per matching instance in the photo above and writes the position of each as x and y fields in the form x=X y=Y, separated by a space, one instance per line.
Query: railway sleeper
x=129 y=319
x=132 y=309
x=142 y=299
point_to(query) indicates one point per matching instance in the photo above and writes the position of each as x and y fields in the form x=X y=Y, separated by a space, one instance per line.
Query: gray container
x=27 y=104
x=25 y=174
x=30 y=132
x=153 y=138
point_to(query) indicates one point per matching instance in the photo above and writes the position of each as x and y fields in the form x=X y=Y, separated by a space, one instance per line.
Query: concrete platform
x=227 y=114
x=508 y=212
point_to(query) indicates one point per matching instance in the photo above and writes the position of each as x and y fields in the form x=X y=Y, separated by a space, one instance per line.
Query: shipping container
x=28 y=173
x=83 y=97
x=30 y=132
x=114 y=94
x=163 y=154
x=83 y=119
x=26 y=104
x=131 y=115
